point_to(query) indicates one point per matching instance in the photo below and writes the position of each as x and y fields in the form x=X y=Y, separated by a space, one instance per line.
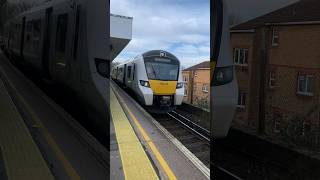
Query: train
x=155 y=78
x=66 y=41
x=224 y=85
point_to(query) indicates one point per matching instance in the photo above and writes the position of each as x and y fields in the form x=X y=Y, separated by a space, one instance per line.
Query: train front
x=163 y=87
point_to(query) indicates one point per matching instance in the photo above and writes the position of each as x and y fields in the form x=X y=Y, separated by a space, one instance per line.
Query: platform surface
x=21 y=156
x=168 y=161
x=65 y=145
x=134 y=160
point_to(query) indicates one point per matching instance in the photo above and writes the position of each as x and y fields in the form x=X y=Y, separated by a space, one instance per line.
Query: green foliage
x=202 y=103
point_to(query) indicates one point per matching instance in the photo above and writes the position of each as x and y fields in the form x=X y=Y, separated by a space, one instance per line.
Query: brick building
x=197 y=85
x=277 y=59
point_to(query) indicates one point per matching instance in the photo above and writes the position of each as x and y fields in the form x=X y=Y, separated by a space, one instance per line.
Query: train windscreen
x=162 y=69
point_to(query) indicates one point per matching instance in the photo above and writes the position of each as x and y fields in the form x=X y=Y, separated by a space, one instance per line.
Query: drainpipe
x=263 y=53
x=191 y=86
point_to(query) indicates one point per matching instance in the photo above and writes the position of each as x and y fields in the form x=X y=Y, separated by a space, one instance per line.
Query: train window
x=76 y=34
x=61 y=33
x=134 y=70
x=36 y=24
x=129 y=72
x=29 y=26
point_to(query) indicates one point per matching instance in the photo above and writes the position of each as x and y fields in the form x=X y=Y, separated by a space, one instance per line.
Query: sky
x=181 y=27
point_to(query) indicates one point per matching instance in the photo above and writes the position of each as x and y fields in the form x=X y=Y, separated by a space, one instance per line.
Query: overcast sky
x=181 y=27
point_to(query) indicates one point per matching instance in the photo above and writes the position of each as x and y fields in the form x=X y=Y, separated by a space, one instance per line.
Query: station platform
x=140 y=148
x=38 y=139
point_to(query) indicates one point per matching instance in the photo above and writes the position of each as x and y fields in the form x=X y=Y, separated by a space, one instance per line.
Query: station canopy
x=120 y=33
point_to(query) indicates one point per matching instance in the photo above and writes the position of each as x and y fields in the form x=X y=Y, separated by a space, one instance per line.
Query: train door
x=133 y=76
x=22 y=36
x=129 y=76
x=63 y=17
x=124 y=74
x=46 y=44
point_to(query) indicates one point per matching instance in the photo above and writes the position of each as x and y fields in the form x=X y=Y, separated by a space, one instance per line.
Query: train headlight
x=223 y=75
x=144 y=83
x=102 y=66
x=179 y=85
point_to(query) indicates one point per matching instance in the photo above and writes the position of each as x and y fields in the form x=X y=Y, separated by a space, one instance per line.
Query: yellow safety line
x=60 y=155
x=153 y=148
x=135 y=162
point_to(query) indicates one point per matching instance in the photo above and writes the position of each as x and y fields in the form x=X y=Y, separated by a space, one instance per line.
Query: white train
x=224 y=86
x=67 y=41
x=155 y=77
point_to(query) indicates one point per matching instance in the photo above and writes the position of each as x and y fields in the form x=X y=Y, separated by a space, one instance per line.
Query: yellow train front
x=155 y=78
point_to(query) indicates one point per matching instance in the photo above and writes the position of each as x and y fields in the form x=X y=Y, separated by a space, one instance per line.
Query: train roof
x=120 y=27
x=159 y=53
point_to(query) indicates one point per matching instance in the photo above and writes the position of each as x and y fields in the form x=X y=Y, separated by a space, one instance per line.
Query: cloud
x=181 y=27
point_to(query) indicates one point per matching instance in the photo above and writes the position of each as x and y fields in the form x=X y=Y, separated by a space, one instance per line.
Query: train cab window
x=129 y=72
x=61 y=33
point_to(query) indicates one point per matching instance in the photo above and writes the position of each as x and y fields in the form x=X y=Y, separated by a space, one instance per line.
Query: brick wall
x=196 y=79
x=297 y=53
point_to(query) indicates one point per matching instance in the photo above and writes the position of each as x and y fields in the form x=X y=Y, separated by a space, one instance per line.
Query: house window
x=306 y=127
x=205 y=88
x=305 y=84
x=276 y=122
x=272 y=79
x=185 y=92
x=240 y=56
x=275 y=36
x=185 y=78
x=242 y=99
x=195 y=74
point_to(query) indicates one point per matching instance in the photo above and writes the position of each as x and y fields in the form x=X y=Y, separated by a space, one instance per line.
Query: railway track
x=195 y=138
